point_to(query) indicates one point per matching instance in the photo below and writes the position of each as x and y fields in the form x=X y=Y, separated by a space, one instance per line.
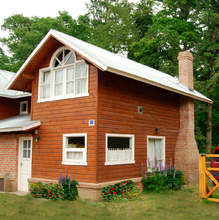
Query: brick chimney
x=186 y=152
x=185 y=59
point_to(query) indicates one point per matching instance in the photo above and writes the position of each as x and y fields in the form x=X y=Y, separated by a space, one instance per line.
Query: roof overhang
x=128 y=75
x=24 y=74
x=23 y=128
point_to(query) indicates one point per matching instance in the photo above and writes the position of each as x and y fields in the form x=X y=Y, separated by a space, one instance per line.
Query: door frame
x=163 y=138
x=19 y=158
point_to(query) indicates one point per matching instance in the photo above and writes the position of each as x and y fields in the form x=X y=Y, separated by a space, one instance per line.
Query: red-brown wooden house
x=100 y=116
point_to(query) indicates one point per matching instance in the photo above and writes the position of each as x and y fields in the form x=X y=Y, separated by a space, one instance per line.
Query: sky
x=41 y=8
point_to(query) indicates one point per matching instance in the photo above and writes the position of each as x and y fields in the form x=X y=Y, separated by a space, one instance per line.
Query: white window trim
x=21 y=103
x=70 y=162
x=163 y=138
x=52 y=70
x=132 y=146
x=56 y=52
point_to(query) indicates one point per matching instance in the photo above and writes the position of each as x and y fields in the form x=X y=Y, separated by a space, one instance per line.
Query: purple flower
x=174 y=173
x=66 y=174
x=69 y=184
x=165 y=170
x=60 y=178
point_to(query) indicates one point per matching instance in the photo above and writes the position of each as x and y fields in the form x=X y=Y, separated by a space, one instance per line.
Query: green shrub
x=163 y=180
x=122 y=190
x=49 y=191
x=69 y=186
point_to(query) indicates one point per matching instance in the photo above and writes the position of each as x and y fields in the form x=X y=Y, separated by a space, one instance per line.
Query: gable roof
x=5 y=78
x=114 y=63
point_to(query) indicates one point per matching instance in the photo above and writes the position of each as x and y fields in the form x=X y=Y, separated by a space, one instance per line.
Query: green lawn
x=179 y=205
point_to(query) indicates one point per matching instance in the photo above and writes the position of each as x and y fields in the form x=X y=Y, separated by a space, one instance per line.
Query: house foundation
x=90 y=191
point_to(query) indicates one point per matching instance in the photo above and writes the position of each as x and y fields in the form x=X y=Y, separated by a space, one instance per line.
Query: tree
x=208 y=77
x=25 y=33
x=112 y=25
x=4 y=60
x=169 y=33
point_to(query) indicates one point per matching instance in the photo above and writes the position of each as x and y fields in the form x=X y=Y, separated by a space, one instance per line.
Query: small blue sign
x=91 y=122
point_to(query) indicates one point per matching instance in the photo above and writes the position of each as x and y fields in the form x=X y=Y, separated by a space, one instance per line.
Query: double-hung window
x=155 y=152
x=65 y=78
x=120 y=149
x=74 y=149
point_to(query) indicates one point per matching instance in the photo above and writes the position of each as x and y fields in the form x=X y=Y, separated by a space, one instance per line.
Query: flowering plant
x=122 y=190
x=163 y=180
x=49 y=191
x=69 y=186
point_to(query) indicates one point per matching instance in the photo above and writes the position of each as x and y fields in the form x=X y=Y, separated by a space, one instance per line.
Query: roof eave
x=24 y=128
x=15 y=96
x=158 y=85
x=63 y=41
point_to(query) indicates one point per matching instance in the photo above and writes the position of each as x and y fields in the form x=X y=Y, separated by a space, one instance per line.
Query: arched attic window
x=63 y=57
x=65 y=78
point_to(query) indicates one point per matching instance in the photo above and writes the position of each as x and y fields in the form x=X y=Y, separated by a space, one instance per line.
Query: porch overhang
x=20 y=123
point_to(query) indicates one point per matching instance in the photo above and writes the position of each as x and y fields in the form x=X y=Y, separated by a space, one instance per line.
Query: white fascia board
x=128 y=75
x=89 y=58
x=24 y=128
x=60 y=39
x=29 y=58
x=15 y=96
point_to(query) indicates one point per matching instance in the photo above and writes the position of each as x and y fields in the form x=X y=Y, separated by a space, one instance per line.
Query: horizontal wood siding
x=61 y=117
x=117 y=113
x=11 y=107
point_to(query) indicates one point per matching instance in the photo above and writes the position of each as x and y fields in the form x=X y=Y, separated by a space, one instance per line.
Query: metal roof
x=5 y=79
x=114 y=63
x=18 y=123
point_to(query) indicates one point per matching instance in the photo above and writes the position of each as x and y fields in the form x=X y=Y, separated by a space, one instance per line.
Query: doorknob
x=21 y=164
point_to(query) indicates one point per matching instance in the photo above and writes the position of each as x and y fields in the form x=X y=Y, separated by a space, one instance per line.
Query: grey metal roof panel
x=114 y=63
x=18 y=123
x=5 y=78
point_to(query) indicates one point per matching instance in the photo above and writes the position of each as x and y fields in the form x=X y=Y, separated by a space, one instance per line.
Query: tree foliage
x=150 y=31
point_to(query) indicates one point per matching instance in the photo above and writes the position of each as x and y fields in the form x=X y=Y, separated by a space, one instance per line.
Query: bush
x=122 y=190
x=70 y=187
x=163 y=180
x=49 y=191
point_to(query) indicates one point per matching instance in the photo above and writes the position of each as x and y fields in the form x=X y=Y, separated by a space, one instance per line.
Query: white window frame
x=23 y=112
x=52 y=70
x=132 y=161
x=65 y=161
x=163 y=138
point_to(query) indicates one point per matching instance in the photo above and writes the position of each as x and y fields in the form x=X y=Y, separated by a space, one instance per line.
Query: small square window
x=24 y=107
x=74 y=149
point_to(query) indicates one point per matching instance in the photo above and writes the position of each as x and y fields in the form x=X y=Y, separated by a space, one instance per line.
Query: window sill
x=62 y=97
x=119 y=163
x=74 y=163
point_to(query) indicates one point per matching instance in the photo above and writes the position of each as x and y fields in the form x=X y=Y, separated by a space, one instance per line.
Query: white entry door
x=24 y=163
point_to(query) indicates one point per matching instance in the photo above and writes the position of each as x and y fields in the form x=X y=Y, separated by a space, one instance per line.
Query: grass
x=179 y=205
